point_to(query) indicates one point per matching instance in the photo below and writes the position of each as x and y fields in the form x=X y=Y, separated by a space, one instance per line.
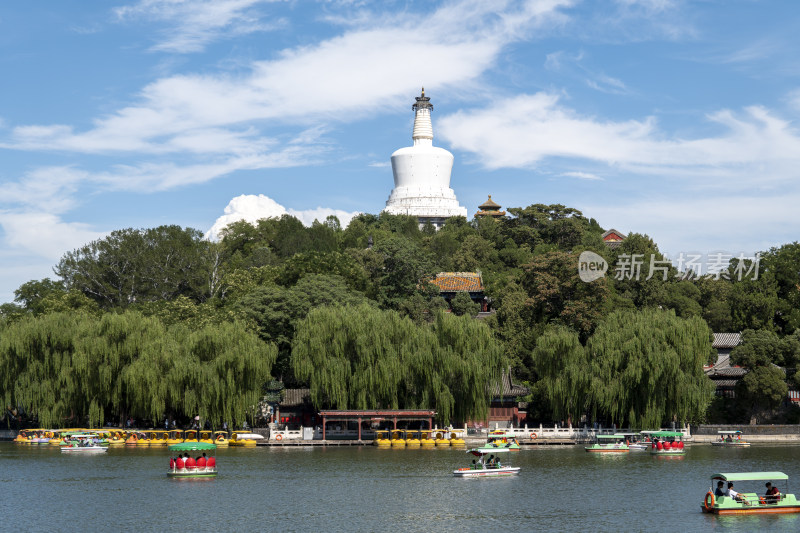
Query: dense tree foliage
x=269 y=280
x=640 y=369
x=67 y=368
x=364 y=358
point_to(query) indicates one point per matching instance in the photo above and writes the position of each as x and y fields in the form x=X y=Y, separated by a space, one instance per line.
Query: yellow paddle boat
x=159 y=437
x=116 y=438
x=382 y=439
x=397 y=438
x=441 y=439
x=455 y=440
x=190 y=435
x=246 y=440
x=425 y=439
x=206 y=436
x=221 y=439
x=412 y=439
x=175 y=437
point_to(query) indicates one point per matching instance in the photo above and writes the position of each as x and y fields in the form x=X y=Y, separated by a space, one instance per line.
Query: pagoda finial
x=422 y=102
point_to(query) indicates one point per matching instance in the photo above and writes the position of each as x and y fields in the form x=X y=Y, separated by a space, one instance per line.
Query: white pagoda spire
x=422 y=174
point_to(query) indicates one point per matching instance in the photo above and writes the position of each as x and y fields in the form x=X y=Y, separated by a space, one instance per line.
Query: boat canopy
x=190 y=446
x=617 y=436
x=664 y=433
x=726 y=432
x=487 y=451
x=751 y=476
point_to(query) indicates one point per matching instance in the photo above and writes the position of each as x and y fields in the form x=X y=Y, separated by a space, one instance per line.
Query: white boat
x=486 y=465
x=730 y=439
x=634 y=442
x=83 y=444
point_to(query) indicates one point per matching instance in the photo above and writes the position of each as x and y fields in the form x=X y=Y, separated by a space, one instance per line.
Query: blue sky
x=676 y=119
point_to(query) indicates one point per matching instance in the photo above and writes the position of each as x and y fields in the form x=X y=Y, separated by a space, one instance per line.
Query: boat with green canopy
x=727 y=500
x=487 y=464
x=666 y=443
x=186 y=466
x=730 y=439
x=609 y=444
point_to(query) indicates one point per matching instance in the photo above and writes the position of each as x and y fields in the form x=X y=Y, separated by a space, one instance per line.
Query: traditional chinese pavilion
x=451 y=283
x=490 y=209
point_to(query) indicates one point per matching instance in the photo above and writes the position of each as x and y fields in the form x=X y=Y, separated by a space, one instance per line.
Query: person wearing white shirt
x=732 y=493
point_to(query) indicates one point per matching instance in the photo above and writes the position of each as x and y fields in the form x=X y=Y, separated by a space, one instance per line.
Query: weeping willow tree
x=64 y=367
x=67 y=368
x=364 y=358
x=560 y=361
x=647 y=368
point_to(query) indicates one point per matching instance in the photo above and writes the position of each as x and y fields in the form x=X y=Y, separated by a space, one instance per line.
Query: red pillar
x=395 y=422
x=359 y=429
x=324 y=419
x=430 y=424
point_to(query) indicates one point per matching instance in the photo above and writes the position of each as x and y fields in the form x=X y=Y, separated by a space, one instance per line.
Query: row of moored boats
x=82 y=440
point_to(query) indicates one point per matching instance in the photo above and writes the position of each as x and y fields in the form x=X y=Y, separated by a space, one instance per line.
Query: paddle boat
x=159 y=437
x=501 y=439
x=730 y=439
x=486 y=464
x=441 y=439
x=382 y=439
x=666 y=443
x=221 y=439
x=175 y=437
x=425 y=439
x=636 y=442
x=83 y=443
x=456 y=440
x=412 y=439
x=190 y=435
x=398 y=439
x=609 y=444
x=206 y=436
x=22 y=437
x=246 y=440
x=117 y=438
x=750 y=502
x=191 y=467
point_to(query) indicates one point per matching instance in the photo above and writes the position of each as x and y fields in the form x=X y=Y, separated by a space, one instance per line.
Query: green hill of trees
x=160 y=322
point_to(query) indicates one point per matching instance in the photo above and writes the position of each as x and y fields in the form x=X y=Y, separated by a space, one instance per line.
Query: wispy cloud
x=192 y=24
x=582 y=176
x=520 y=132
x=232 y=121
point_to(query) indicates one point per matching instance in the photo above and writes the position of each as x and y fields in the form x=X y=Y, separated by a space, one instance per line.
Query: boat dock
x=469 y=442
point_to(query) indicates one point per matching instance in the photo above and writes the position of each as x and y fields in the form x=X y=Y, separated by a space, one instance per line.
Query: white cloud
x=195 y=23
x=50 y=189
x=44 y=235
x=582 y=176
x=252 y=208
x=522 y=131
x=459 y=41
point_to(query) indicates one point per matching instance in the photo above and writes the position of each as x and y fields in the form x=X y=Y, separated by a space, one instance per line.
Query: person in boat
x=720 y=489
x=732 y=493
x=772 y=495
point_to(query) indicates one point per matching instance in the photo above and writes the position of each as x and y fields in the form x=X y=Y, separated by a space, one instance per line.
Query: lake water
x=368 y=489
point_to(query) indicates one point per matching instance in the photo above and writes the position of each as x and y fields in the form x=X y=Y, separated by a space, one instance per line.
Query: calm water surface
x=369 y=489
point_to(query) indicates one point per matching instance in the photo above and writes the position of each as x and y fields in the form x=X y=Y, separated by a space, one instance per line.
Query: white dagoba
x=422 y=174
